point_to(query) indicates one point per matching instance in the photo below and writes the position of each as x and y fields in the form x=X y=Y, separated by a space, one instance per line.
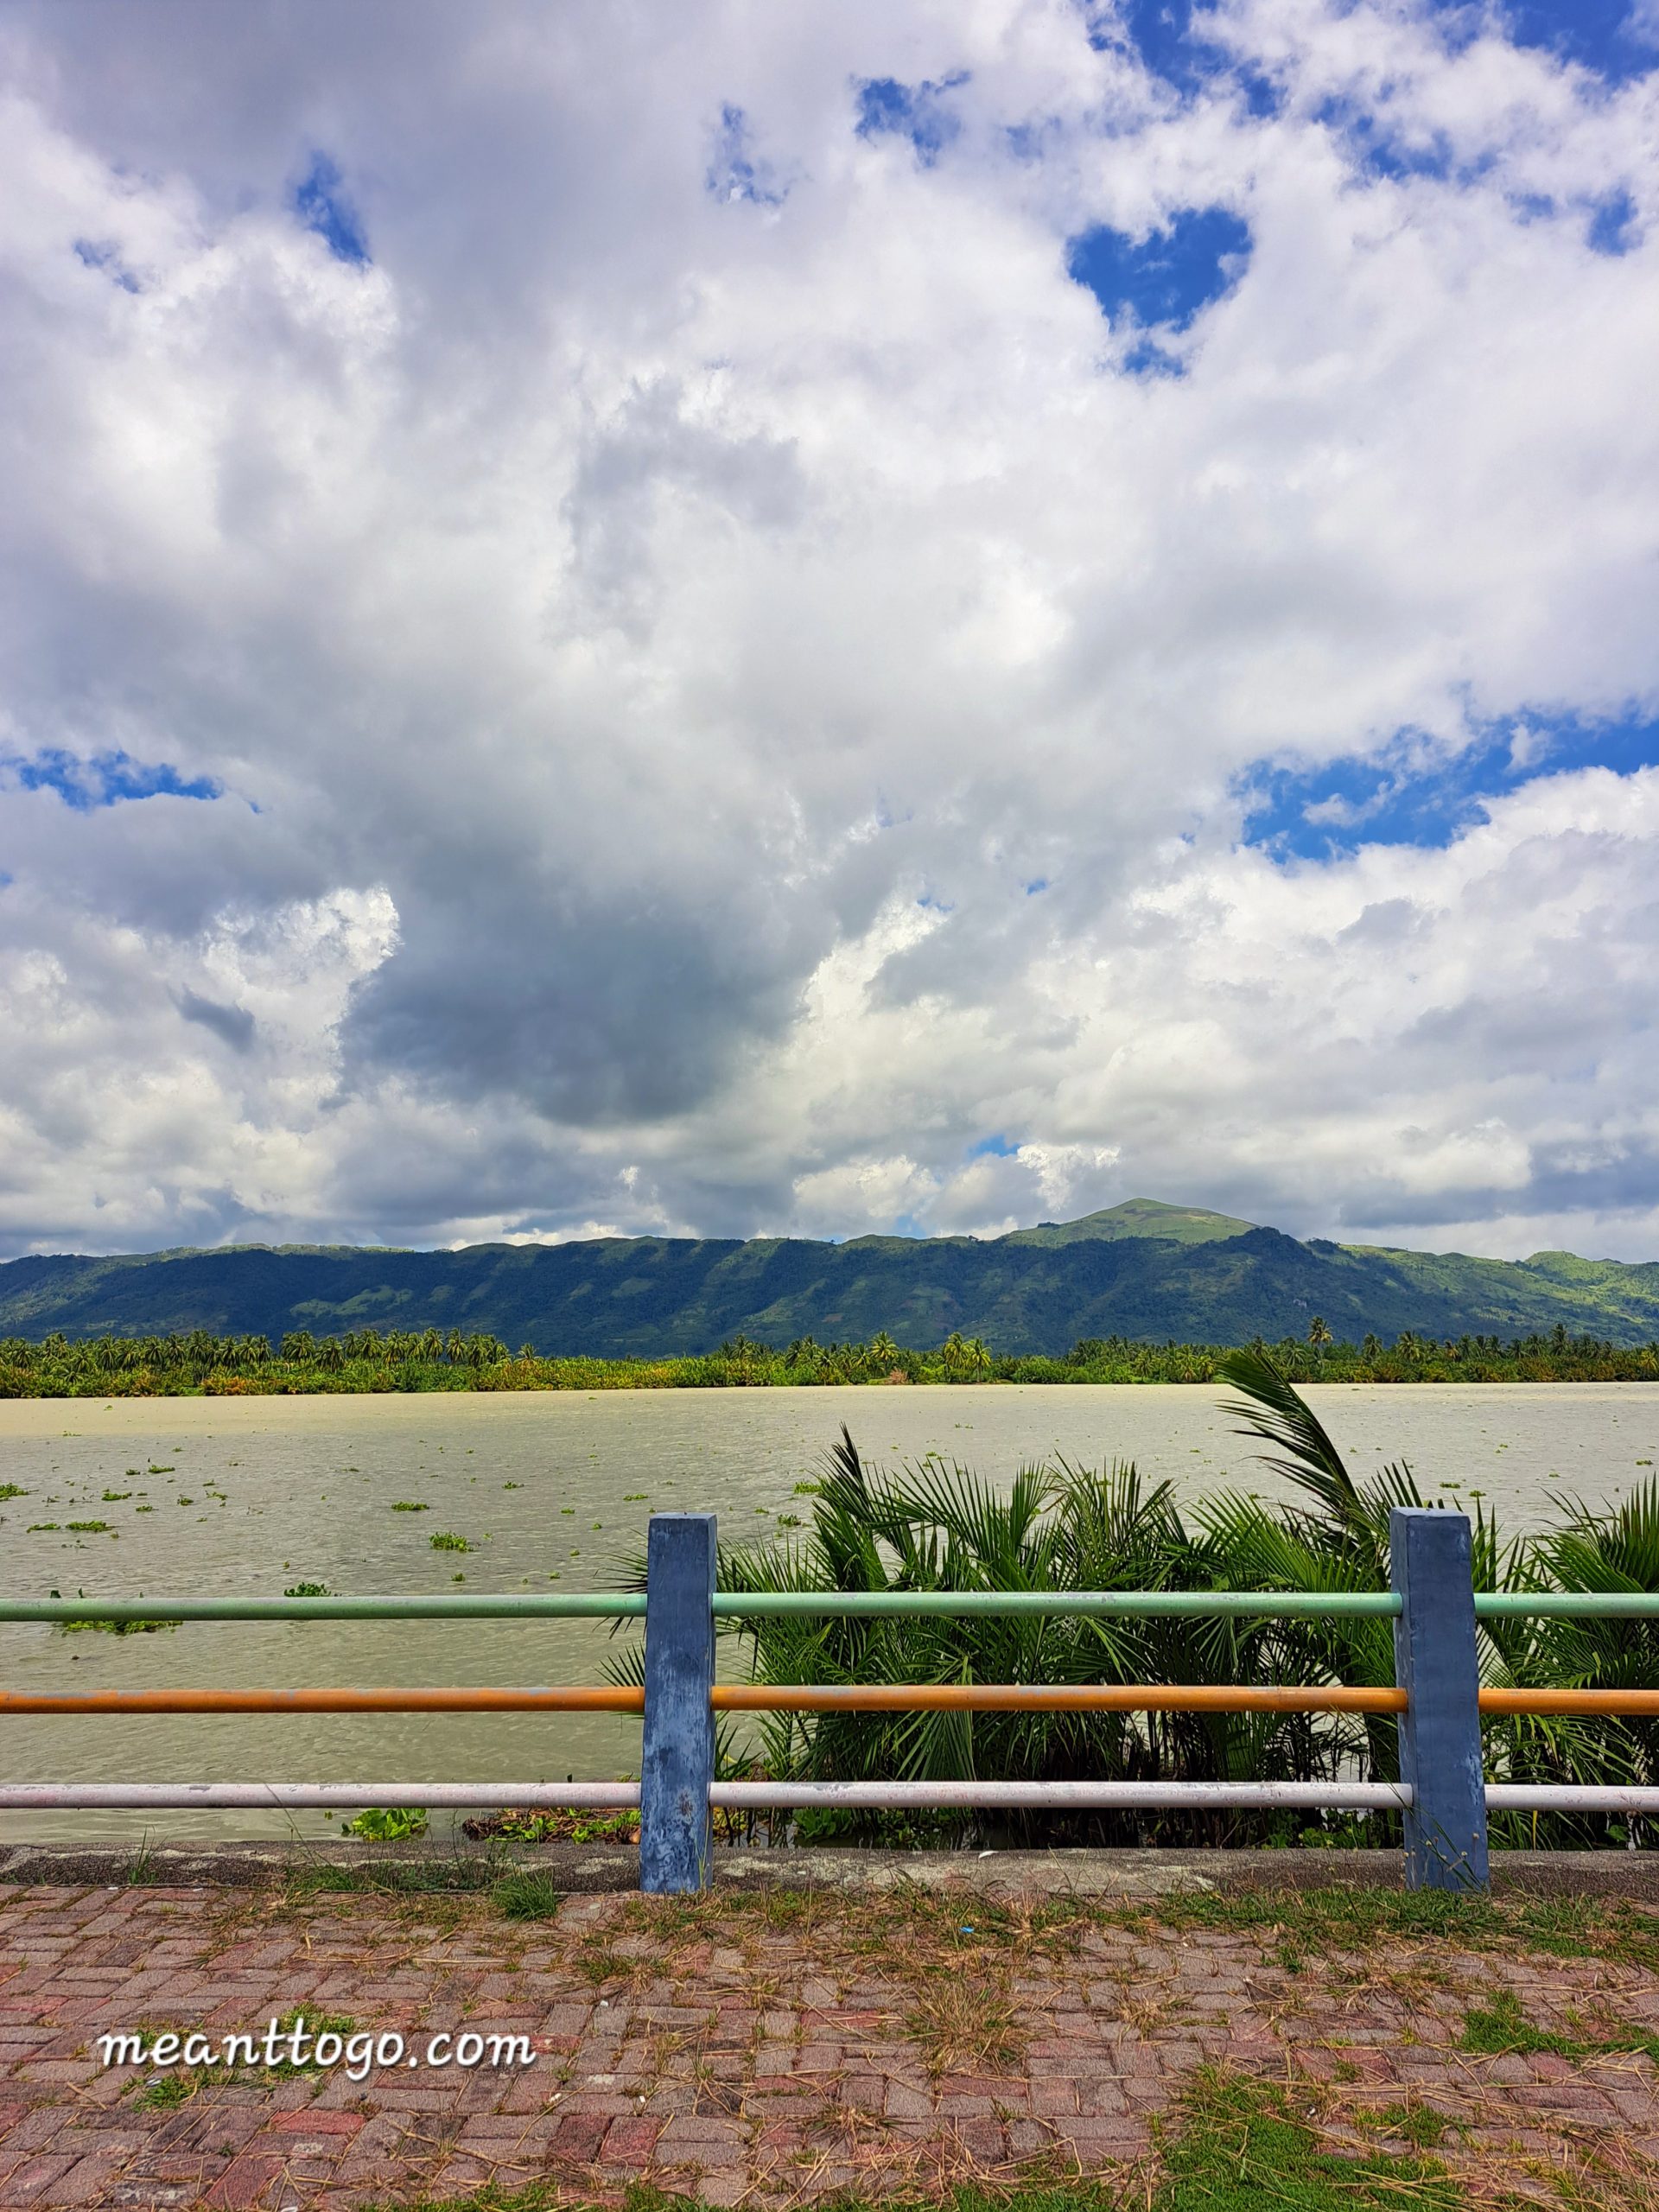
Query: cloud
x=233 y=1025
x=701 y=676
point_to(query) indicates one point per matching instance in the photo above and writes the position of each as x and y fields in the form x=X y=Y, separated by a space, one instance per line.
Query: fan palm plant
x=936 y=1526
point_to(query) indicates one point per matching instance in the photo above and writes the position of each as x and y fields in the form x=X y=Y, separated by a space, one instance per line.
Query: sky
x=917 y=616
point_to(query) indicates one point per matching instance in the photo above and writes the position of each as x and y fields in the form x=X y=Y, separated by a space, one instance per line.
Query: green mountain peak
x=1135 y=1217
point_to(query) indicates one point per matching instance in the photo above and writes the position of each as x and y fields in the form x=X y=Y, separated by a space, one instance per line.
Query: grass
x=402 y=1877
x=549 y=2197
x=1315 y=1923
x=1236 y=2145
x=172 y=2088
x=909 y=1930
x=961 y=2027
x=1241 y=2145
x=527 y=1895
x=1502 y=2027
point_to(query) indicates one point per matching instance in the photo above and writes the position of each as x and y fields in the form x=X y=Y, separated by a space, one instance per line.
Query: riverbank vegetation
x=368 y=1360
x=932 y=1526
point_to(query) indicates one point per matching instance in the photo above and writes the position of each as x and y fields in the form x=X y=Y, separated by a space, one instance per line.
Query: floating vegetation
x=445 y=1539
x=556 y=1824
x=410 y=1505
x=90 y=1528
x=12 y=1490
x=387 y=1824
x=307 y=1590
x=118 y=1627
x=116 y=1496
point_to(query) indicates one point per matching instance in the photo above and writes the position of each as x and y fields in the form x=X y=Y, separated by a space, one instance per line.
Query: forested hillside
x=1140 y=1271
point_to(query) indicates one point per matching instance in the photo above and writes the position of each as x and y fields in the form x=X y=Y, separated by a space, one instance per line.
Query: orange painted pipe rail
x=1020 y=1697
x=1585 y=1703
x=441 y=1701
x=810 y=1697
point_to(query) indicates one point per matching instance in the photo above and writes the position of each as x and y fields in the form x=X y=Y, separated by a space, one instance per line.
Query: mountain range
x=1142 y=1269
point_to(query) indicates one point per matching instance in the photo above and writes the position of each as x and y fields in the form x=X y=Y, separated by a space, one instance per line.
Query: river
x=552 y=1490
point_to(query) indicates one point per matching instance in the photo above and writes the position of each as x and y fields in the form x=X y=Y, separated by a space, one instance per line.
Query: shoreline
x=200 y=1392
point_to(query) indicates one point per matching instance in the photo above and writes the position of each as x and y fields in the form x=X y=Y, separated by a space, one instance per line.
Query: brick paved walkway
x=767 y=2051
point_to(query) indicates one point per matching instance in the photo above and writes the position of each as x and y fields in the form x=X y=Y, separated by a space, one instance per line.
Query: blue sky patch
x=887 y=108
x=104 y=256
x=1605 y=36
x=1414 y=793
x=996 y=1147
x=1166 y=280
x=1613 y=228
x=1146 y=357
x=1374 y=145
x=733 y=172
x=320 y=203
x=1170 y=36
x=105 y=780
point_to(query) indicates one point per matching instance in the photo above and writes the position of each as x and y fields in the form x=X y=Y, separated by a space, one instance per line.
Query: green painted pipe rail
x=575 y=1604
x=977 y=1604
x=1566 y=1605
x=852 y=1604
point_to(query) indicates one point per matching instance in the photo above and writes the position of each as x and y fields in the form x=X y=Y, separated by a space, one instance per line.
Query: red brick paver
x=742 y=2058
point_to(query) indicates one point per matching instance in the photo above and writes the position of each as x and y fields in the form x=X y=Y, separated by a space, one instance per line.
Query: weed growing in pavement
x=167 y=2091
x=528 y=1894
x=961 y=2027
x=397 y=1878
x=1240 y=2145
x=1421 y=2125
x=1501 y=2026
x=1320 y=1922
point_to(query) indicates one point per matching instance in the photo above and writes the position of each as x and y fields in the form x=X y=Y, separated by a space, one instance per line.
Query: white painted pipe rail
x=1062 y=1796
x=313 y=1797
x=893 y=1797
x=1570 y=1797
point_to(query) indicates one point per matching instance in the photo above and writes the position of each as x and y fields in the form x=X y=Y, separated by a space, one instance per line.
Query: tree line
x=198 y=1362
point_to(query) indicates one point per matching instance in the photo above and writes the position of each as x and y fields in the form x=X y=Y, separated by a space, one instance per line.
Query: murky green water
x=247 y=1495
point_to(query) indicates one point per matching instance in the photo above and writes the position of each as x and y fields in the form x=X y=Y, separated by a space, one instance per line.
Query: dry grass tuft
x=960 y=2028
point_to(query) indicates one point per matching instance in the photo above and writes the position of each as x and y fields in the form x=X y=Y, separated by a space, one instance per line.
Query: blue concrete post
x=678 y=1760
x=1434 y=1663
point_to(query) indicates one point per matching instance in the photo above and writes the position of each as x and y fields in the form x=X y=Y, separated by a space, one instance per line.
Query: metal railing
x=1436 y=1699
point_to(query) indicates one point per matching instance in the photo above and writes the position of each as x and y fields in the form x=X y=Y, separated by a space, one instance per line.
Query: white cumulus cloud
x=725 y=695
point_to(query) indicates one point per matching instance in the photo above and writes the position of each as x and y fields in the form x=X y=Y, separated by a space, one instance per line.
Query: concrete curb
x=582 y=1869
